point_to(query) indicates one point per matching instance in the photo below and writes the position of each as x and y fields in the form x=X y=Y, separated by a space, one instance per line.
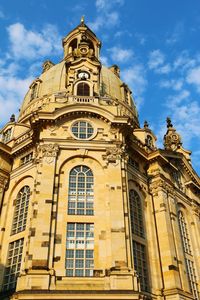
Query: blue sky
x=155 y=43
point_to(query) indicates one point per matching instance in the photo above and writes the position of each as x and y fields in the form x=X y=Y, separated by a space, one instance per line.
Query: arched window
x=34 y=91
x=189 y=261
x=184 y=233
x=73 y=44
x=138 y=239
x=21 y=210
x=83 y=89
x=136 y=214
x=81 y=193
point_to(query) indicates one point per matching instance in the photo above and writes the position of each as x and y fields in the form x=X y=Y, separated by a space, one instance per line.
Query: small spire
x=172 y=140
x=146 y=125
x=83 y=20
x=169 y=122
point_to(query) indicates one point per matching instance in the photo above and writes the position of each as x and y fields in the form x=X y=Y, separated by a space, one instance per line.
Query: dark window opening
x=73 y=44
x=83 y=89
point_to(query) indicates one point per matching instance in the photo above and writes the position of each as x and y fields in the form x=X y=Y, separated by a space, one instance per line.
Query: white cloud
x=166 y=69
x=119 y=54
x=112 y=18
x=176 y=34
x=135 y=78
x=12 y=91
x=104 y=60
x=156 y=59
x=107 y=15
x=193 y=77
x=107 y=5
x=176 y=99
x=184 y=61
x=175 y=84
x=28 y=44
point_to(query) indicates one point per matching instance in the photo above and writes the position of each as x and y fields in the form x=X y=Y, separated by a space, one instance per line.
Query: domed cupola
x=81 y=42
x=79 y=78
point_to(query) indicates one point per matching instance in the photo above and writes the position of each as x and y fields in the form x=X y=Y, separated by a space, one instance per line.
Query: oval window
x=82 y=130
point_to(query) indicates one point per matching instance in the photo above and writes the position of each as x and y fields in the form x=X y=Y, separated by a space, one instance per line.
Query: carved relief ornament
x=47 y=151
x=113 y=154
x=161 y=185
x=3 y=183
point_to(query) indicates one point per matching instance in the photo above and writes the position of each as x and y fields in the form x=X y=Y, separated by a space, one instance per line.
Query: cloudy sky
x=155 y=43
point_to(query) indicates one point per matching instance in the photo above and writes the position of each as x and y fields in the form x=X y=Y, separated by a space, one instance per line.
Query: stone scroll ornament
x=48 y=152
x=114 y=154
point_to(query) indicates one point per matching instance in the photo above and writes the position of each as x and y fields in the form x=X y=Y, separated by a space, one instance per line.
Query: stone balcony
x=49 y=103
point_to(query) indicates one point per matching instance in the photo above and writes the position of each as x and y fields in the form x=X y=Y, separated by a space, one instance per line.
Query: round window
x=82 y=130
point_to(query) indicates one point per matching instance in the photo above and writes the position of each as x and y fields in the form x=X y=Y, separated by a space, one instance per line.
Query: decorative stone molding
x=195 y=208
x=47 y=65
x=47 y=151
x=172 y=140
x=3 y=183
x=114 y=154
x=161 y=185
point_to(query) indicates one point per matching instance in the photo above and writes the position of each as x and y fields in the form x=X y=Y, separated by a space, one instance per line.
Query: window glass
x=138 y=239
x=83 y=89
x=80 y=260
x=81 y=191
x=21 y=210
x=6 y=137
x=190 y=267
x=13 y=264
x=82 y=130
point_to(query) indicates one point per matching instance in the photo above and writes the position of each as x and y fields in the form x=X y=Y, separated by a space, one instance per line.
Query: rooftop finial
x=146 y=125
x=12 y=118
x=169 y=122
x=83 y=20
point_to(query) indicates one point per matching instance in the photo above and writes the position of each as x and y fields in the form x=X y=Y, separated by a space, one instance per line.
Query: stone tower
x=89 y=207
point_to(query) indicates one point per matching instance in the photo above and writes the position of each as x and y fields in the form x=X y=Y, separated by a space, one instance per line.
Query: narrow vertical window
x=34 y=92
x=80 y=249
x=21 y=210
x=6 y=137
x=81 y=193
x=138 y=239
x=83 y=89
x=188 y=255
x=13 y=264
x=136 y=214
x=184 y=233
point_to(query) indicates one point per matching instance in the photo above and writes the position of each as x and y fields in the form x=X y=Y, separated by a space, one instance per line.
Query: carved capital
x=47 y=151
x=114 y=154
x=161 y=185
x=3 y=183
x=195 y=208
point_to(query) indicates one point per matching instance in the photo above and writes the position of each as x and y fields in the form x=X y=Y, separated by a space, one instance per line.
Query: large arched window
x=21 y=210
x=81 y=193
x=83 y=89
x=184 y=233
x=138 y=239
x=189 y=260
x=34 y=89
x=136 y=214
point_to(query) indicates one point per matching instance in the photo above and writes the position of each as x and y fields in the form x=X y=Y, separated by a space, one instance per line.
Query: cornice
x=5 y=149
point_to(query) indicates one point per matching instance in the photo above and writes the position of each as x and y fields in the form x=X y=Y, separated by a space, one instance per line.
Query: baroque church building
x=90 y=208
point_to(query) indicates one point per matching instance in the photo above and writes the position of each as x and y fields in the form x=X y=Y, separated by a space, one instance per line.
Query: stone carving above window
x=47 y=151
x=114 y=154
